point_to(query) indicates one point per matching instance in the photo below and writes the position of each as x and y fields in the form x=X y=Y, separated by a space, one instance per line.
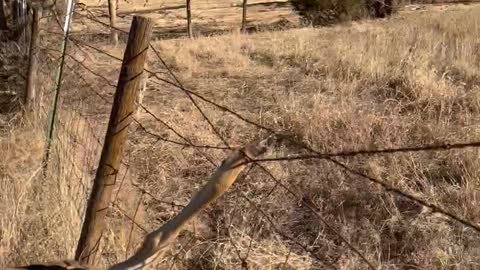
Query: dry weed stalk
x=155 y=243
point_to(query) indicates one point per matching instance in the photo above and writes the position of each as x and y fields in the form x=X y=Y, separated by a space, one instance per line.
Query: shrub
x=325 y=12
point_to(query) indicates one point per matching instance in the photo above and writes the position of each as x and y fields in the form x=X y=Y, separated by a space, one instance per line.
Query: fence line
x=383 y=151
x=177 y=84
x=217 y=133
x=256 y=162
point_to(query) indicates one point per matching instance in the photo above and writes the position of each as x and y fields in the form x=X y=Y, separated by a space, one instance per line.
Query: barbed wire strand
x=437 y=147
x=350 y=153
x=414 y=198
x=390 y=189
x=446 y=146
x=201 y=111
x=172 y=74
x=155 y=116
x=342 y=238
x=384 y=151
x=177 y=80
x=180 y=86
x=91 y=88
x=152 y=134
x=151 y=114
x=130 y=218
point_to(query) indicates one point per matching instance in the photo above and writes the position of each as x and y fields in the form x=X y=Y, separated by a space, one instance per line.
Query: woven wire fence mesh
x=179 y=136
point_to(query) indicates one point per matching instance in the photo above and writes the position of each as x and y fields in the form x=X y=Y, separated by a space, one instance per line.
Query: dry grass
x=410 y=80
x=407 y=81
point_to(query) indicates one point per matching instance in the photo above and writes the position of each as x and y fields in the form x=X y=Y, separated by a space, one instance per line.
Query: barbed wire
x=130 y=218
x=148 y=111
x=368 y=152
x=414 y=198
x=191 y=95
x=445 y=146
x=217 y=133
x=423 y=148
x=91 y=88
x=176 y=83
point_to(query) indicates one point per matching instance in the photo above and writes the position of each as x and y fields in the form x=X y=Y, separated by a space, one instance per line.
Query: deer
x=157 y=241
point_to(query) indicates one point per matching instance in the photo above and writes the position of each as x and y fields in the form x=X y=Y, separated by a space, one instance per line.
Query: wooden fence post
x=112 y=10
x=120 y=118
x=189 y=19
x=30 y=94
x=244 y=16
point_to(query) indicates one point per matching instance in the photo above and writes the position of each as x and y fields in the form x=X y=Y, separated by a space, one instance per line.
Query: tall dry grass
x=41 y=208
x=411 y=80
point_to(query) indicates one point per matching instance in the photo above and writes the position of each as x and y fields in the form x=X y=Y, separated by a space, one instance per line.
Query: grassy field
x=411 y=80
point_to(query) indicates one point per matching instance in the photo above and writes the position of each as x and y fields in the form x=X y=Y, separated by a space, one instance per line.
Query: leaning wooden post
x=30 y=94
x=189 y=19
x=112 y=9
x=120 y=118
x=244 y=16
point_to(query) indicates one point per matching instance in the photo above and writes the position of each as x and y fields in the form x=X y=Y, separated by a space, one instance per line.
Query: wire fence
x=166 y=161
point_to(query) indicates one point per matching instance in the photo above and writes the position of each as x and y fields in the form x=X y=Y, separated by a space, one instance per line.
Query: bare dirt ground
x=208 y=16
x=410 y=80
